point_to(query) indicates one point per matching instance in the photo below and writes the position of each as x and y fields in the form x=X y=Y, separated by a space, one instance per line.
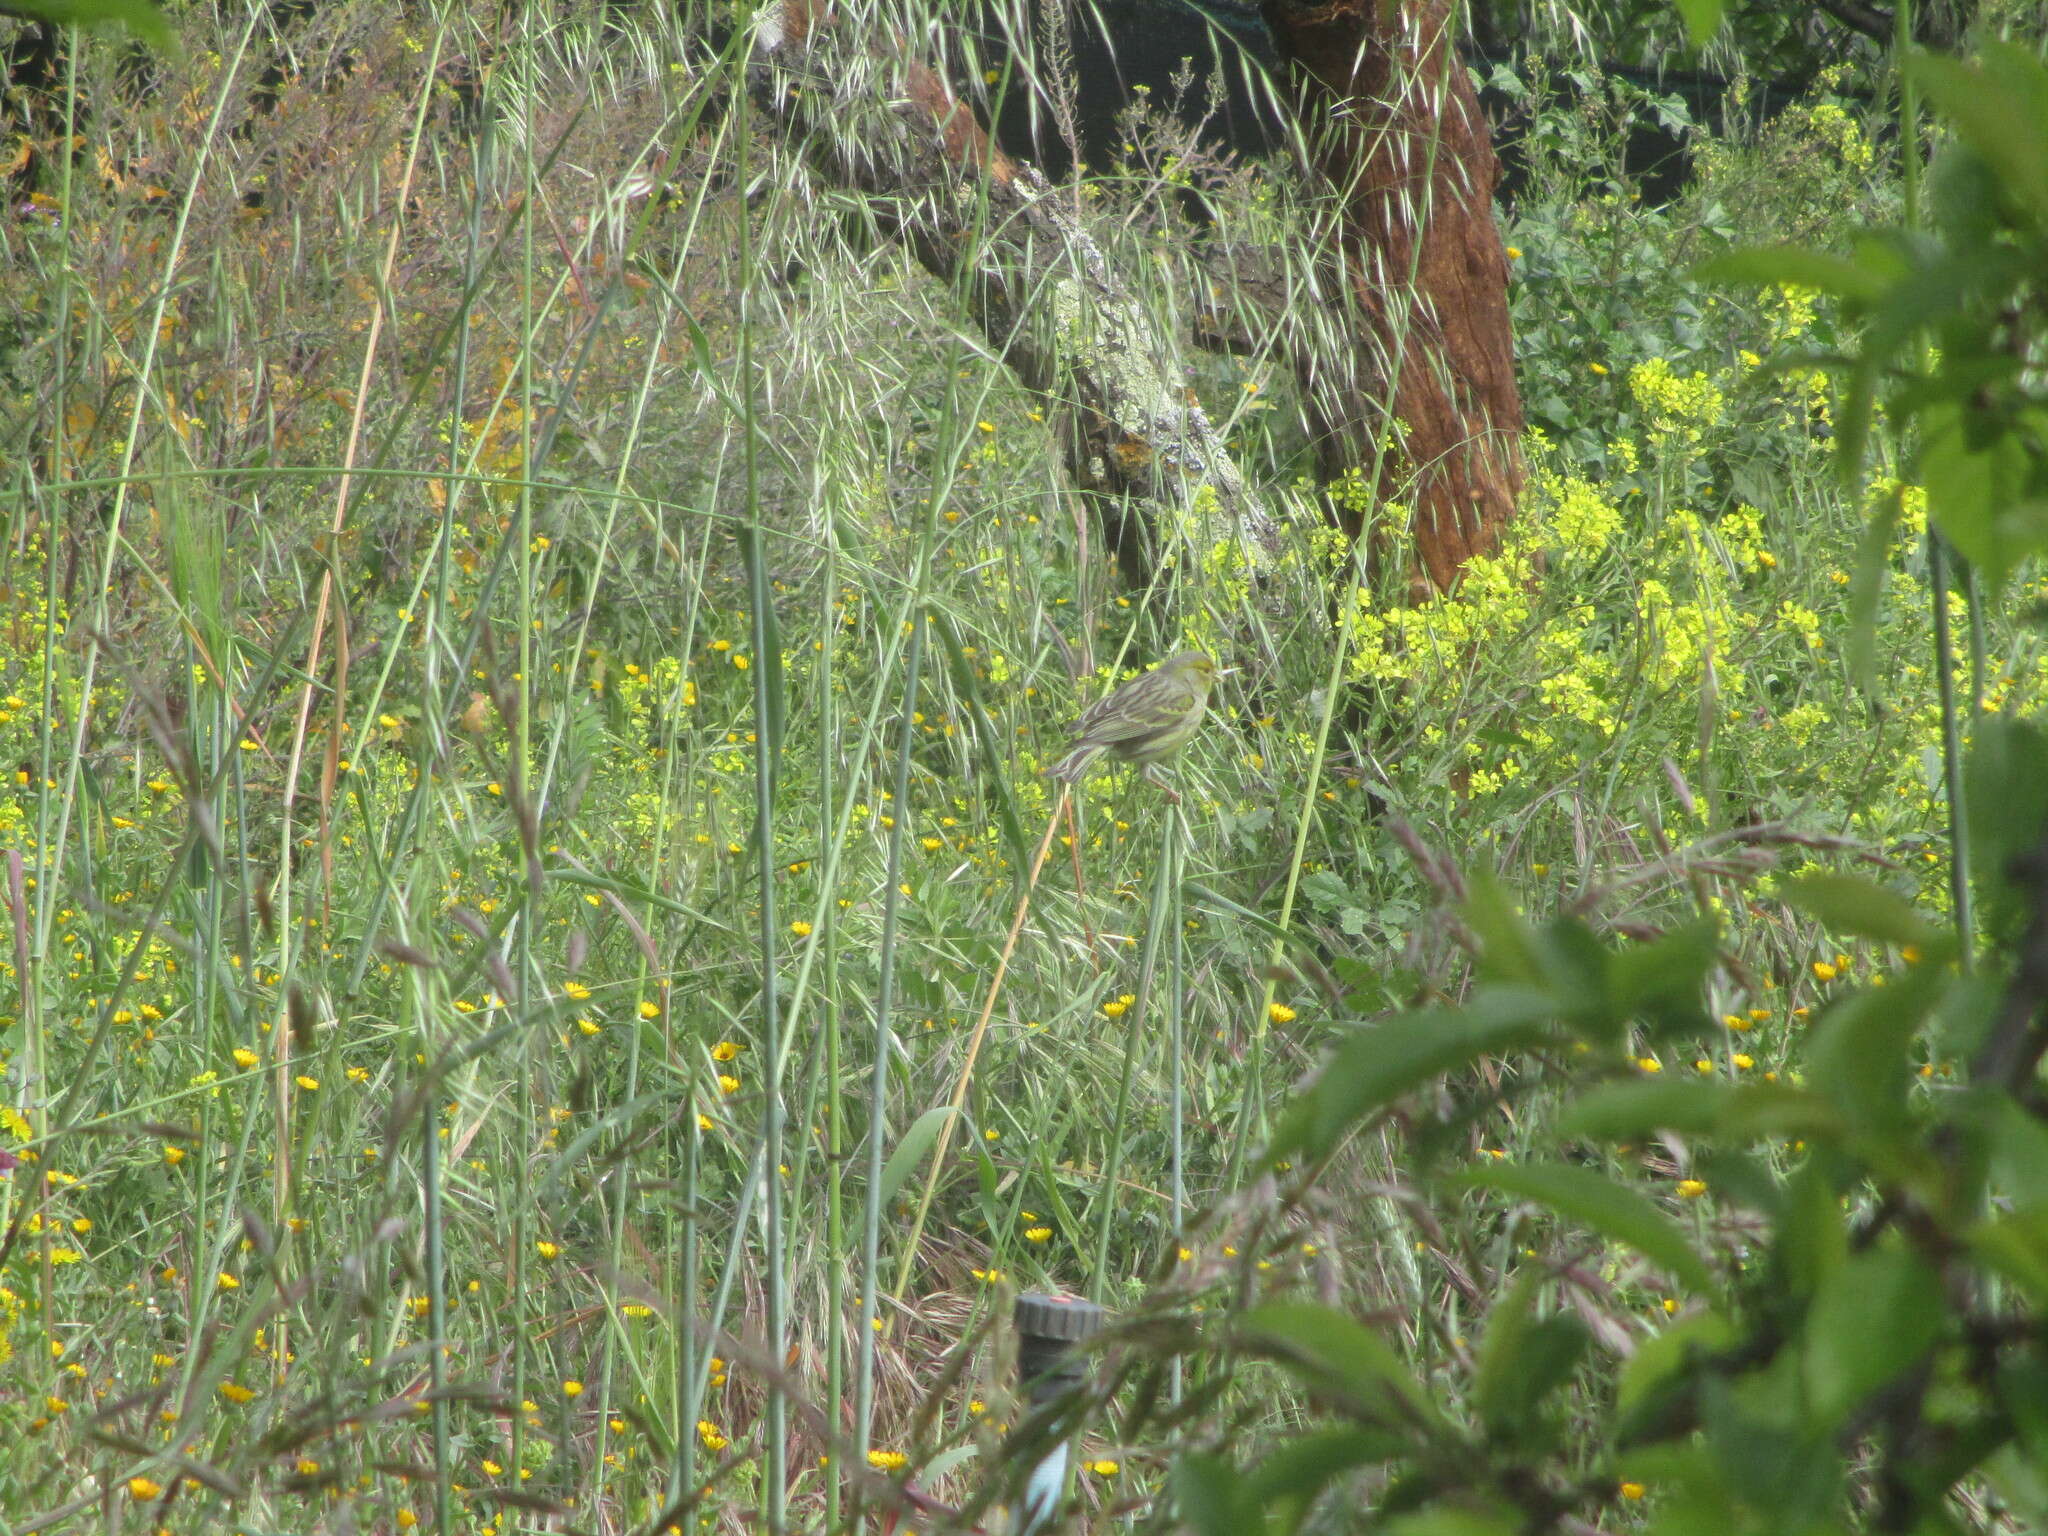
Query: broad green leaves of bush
x=1872 y=1344
x=1856 y=1341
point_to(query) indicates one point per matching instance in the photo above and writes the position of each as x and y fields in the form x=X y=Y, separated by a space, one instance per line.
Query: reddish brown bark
x=1396 y=130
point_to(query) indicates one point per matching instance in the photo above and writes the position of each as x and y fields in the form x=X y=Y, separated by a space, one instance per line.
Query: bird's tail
x=1069 y=767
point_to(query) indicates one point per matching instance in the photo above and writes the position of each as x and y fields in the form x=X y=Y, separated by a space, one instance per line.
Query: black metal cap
x=1048 y=1328
x=1057 y=1319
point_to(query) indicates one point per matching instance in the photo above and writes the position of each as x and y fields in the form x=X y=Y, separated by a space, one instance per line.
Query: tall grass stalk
x=1164 y=914
x=526 y=1001
x=878 y=1085
x=767 y=642
x=837 y=1253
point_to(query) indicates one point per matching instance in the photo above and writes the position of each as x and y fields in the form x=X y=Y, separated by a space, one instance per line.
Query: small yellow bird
x=1145 y=721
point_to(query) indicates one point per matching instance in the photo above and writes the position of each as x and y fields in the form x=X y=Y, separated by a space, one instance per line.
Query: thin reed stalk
x=878 y=1085
x=1165 y=891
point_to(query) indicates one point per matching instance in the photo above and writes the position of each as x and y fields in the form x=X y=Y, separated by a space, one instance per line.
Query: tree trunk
x=1395 y=129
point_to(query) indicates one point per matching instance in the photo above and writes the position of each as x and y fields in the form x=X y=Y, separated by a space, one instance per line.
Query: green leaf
x=1450 y=1520
x=1811 y=1240
x=1663 y=979
x=2018 y=1145
x=1523 y=1359
x=1767 y=1450
x=1507 y=944
x=1627 y=1110
x=1383 y=1061
x=1857 y=1059
x=1998 y=105
x=1286 y=1484
x=1655 y=1376
x=1596 y=1201
x=1329 y=1352
x=910 y=1150
x=1209 y=1495
x=2017 y=1247
x=1864 y=278
x=2007 y=784
x=1980 y=494
x=770 y=678
x=1702 y=19
x=1866 y=588
x=1844 y=904
x=138 y=16
x=1872 y=1320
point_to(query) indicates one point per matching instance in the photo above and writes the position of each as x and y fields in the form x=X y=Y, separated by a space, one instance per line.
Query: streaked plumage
x=1146 y=720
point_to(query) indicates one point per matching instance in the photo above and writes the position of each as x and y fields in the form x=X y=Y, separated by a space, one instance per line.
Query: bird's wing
x=1112 y=718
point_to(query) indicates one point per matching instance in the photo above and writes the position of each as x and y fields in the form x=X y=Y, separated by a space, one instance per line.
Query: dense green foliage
x=1857 y=1338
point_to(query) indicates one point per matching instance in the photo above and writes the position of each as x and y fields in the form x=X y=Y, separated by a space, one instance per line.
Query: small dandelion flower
x=1822 y=971
x=1037 y=1234
x=572 y=1388
x=800 y=928
x=1280 y=1013
x=245 y=1058
x=1691 y=1189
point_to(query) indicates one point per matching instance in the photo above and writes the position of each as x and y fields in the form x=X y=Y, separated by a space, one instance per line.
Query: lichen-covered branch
x=880 y=120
